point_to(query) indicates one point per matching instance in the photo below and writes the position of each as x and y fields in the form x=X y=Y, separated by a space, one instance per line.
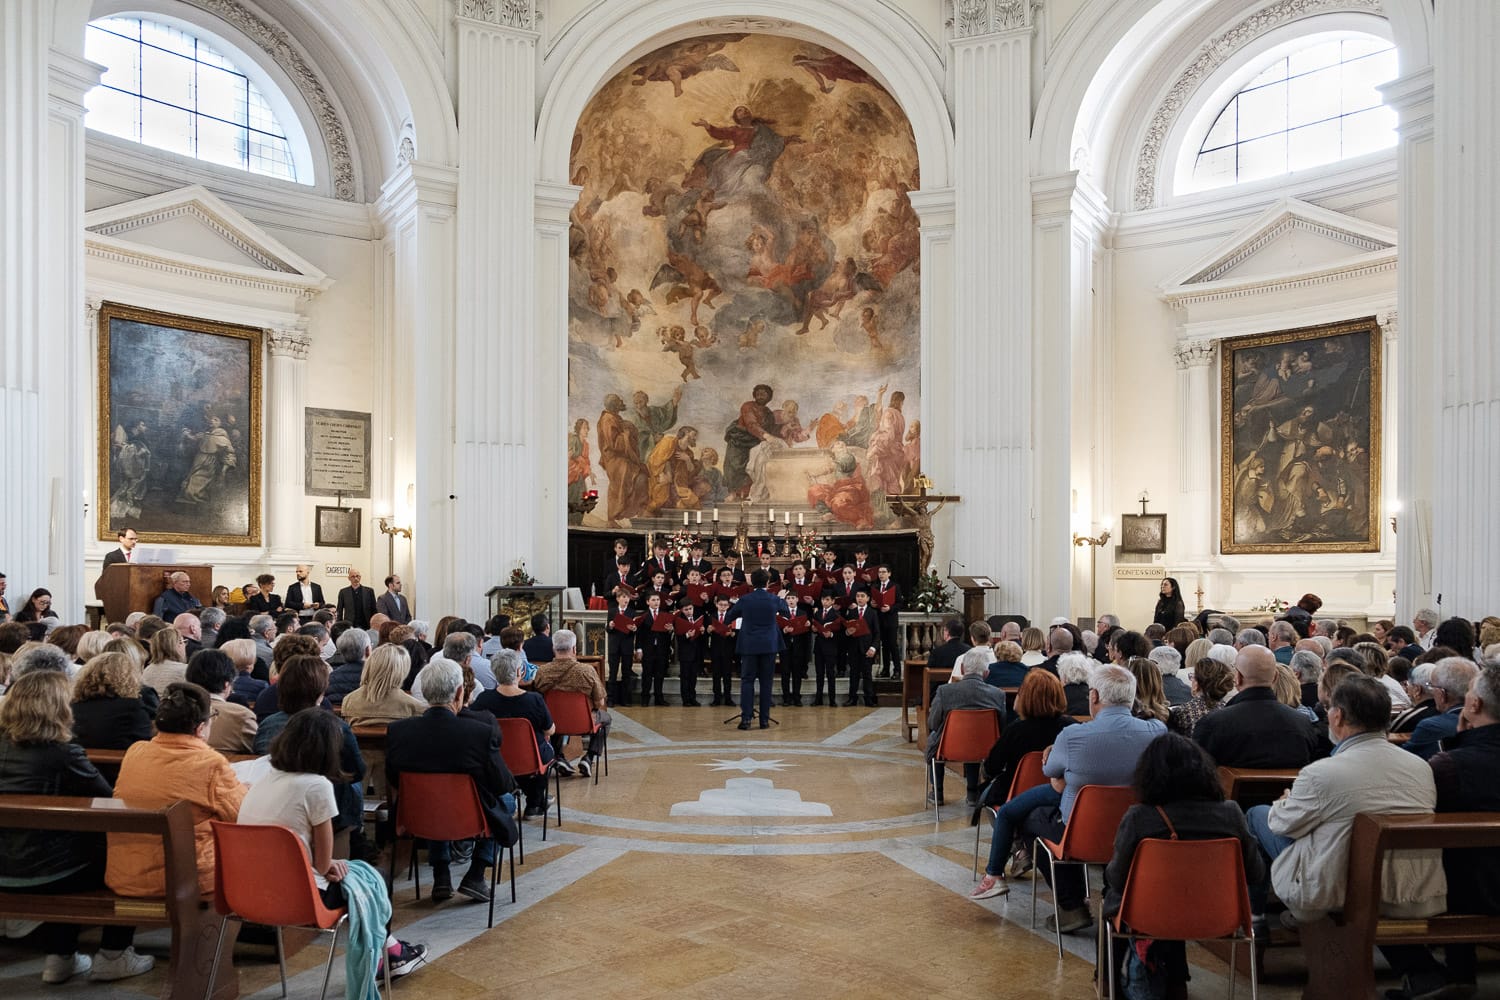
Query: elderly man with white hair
x=1103 y=752
x=1169 y=662
x=972 y=691
x=1308 y=666
x=565 y=673
x=1449 y=686
x=1423 y=704
x=1282 y=638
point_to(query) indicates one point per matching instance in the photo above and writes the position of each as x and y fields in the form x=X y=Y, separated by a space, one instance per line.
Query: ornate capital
x=521 y=14
x=1389 y=325
x=973 y=18
x=1194 y=354
x=289 y=343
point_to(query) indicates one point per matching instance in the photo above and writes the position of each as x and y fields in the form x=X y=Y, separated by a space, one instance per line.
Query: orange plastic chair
x=1027 y=775
x=968 y=734
x=444 y=807
x=1088 y=839
x=261 y=876
x=573 y=715
x=518 y=747
x=1153 y=904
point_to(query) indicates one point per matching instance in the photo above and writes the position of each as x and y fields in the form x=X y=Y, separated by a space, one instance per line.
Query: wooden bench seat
x=191 y=916
x=1255 y=786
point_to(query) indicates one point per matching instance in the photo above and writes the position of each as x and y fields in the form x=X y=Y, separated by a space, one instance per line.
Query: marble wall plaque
x=337 y=459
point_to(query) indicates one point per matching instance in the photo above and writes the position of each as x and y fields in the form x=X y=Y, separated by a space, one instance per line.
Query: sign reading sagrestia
x=337 y=457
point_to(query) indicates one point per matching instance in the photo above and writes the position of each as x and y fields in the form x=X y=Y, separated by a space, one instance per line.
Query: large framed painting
x=1300 y=425
x=179 y=428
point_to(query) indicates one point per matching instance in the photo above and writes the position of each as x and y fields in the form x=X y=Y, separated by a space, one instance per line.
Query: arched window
x=1304 y=105
x=168 y=88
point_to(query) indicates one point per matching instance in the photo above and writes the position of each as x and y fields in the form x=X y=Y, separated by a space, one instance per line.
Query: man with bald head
x=1254 y=729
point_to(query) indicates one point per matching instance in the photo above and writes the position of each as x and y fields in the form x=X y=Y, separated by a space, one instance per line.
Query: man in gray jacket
x=970 y=692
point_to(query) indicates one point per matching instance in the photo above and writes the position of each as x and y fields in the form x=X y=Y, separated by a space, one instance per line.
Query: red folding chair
x=444 y=807
x=1027 y=775
x=968 y=734
x=1153 y=904
x=1088 y=839
x=518 y=747
x=261 y=876
x=573 y=715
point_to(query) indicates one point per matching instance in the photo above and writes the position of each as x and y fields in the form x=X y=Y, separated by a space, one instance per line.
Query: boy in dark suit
x=656 y=650
x=691 y=641
x=886 y=597
x=621 y=648
x=826 y=649
x=721 y=652
x=798 y=645
x=862 y=651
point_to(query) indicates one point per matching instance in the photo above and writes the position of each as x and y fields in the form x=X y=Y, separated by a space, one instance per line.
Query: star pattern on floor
x=748 y=765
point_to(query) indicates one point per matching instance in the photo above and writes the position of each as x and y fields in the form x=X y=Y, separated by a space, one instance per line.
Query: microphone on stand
x=955 y=562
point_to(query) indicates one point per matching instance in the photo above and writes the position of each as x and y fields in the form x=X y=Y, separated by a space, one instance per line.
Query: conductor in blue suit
x=758 y=642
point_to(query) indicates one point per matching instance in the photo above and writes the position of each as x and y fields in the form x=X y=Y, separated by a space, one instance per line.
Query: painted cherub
x=750 y=339
x=704 y=337
x=867 y=323
x=676 y=341
x=695 y=223
x=635 y=306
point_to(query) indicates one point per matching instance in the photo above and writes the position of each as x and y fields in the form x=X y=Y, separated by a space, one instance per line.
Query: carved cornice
x=975 y=18
x=523 y=14
x=766 y=24
x=117 y=251
x=1383 y=262
x=1360 y=242
x=289 y=343
x=193 y=211
x=1213 y=54
x=1194 y=354
x=278 y=45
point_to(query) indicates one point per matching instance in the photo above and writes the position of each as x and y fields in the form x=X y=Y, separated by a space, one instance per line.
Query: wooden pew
x=195 y=925
x=911 y=696
x=1254 y=786
x=1339 y=947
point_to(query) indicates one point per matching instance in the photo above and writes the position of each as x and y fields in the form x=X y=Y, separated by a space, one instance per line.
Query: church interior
x=470 y=298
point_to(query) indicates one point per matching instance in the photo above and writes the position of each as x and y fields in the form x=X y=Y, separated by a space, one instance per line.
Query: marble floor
x=713 y=863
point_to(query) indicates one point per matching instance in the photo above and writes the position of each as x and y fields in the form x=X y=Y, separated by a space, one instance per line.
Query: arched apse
x=890 y=48
x=744 y=271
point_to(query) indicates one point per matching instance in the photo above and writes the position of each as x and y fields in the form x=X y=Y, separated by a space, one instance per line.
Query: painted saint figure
x=214 y=456
x=619 y=455
x=756 y=423
x=132 y=466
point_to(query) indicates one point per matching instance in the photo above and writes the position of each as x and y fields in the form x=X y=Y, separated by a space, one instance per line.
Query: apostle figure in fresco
x=676 y=476
x=885 y=460
x=842 y=491
x=651 y=422
x=620 y=456
x=756 y=423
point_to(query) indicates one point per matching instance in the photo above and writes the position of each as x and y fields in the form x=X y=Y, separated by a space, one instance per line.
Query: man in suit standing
x=392 y=604
x=441 y=742
x=124 y=554
x=538 y=648
x=303 y=595
x=758 y=642
x=356 y=603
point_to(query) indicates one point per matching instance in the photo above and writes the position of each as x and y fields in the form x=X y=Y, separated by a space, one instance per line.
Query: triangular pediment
x=1289 y=239
x=193 y=224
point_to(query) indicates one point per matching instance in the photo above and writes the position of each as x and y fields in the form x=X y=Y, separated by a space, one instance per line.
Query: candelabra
x=1093 y=543
x=390 y=531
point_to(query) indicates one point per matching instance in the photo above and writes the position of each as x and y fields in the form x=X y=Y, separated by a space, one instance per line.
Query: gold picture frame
x=179 y=430
x=1300 y=440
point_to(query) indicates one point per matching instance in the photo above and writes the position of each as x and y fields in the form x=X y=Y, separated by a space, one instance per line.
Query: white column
x=286 y=536
x=553 y=202
x=935 y=209
x=498 y=492
x=44 y=414
x=1193 y=527
x=1414 y=355
x=418 y=208
x=1466 y=478
x=990 y=384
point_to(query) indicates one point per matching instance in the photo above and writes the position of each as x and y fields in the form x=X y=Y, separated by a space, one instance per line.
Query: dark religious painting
x=1301 y=440
x=179 y=428
x=744 y=317
x=1143 y=533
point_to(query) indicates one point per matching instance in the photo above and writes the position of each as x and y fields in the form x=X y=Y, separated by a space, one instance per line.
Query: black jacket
x=298 y=598
x=946 y=655
x=1256 y=730
x=114 y=723
x=1169 y=613
x=356 y=606
x=48 y=769
x=439 y=742
x=1019 y=738
x=1465 y=776
x=538 y=649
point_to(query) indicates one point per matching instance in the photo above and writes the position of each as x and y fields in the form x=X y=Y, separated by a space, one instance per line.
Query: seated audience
x=1032 y=641
x=970 y=692
x=1073 y=669
x=1059 y=642
x=66 y=638
x=348 y=663
x=37 y=607
x=1102 y=752
x=1211 y=683
x=1377 y=665
x=1007 y=670
x=1402 y=641
x=1450 y=685
x=508 y=701
x=263 y=631
x=267 y=702
x=1289 y=692
x=1458 y=635
x=538 y=649
x=1305 y=833
x=440 y=742
x=168 y=662
x=1464 y=774
x=1150 y=701
x=1125 y=645
x=460 y=649
x=233 y=727
x=1169 y=662
x=110 y=708
x=191 y=629
x=379 y=698
x=246 y=688
x=511 y=638
x=1307 y=667
x=37 y=757
x=177 y=764
x=945 y=655
x=38 y=656
x=565 y=673
x=1179 y=798
x=91 y=645
x=1039 y=717
x=1255 y=729
x=1423 y=705
x=1282 y=639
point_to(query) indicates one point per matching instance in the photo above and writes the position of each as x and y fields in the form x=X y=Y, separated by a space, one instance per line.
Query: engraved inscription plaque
x=337 y=453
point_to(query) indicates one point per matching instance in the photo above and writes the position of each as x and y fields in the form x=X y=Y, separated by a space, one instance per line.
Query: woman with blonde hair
x=39 y=758
x=92 y=644
x=130 y=648
x=1197 y=650
x=168 y=663
x=1033 y=641
x=111 y=710
x=379 y=697
x=1212 y=683
x=1150 y=697
x=1289 y=691
x=1377 y=665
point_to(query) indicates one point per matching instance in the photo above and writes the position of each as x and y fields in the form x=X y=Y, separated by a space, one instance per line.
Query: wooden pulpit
x=974 y=588
x=127 y=587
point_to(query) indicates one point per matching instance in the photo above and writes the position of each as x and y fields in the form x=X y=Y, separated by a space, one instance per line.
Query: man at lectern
x=124 y=554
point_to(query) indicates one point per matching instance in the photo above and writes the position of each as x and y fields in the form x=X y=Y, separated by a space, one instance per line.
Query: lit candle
x=716 y=514
x=799 y=519
x=684 y=519
x=770 y=513
x=700 y=517
x=788 y=518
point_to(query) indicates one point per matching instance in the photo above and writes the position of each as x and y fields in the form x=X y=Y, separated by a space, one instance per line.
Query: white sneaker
x=585 y=768
x=124 y=965
x=61 y=968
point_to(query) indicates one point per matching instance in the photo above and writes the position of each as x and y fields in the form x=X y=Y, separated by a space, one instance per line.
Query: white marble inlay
x=750 y=797
x=747 y=765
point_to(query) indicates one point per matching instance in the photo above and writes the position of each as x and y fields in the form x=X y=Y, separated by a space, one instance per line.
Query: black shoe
x=872 y=703
x=744 y=725
x=765 y=725
x=442 y=886
x=851 y=702
x=971 y=799
x=817 y=701
x=475 y=887
x=715 y=703
x=409 y=957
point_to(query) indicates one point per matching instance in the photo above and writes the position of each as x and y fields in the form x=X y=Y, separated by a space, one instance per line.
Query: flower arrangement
x=931 y=595
x=807 y=545
x=519 y=577
x=681 y=541
x=1275 y=605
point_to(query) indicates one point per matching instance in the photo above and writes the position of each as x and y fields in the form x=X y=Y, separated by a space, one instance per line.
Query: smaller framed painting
x=1146 y=533
x=338 y=527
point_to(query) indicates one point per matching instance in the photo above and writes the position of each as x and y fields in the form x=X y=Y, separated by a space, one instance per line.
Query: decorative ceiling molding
x=277 y=44
x=523 y=14
x=975 y=18
x=770 y=25
x=1210 y=57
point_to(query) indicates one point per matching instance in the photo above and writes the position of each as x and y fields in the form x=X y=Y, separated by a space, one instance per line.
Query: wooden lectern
x=127 y=587
x=974 y=588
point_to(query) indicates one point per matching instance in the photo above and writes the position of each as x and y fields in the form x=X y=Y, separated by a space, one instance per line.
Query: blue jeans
x=1271 y=845
x=1008 y=818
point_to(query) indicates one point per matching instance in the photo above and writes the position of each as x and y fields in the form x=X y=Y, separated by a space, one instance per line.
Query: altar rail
x=920 y=632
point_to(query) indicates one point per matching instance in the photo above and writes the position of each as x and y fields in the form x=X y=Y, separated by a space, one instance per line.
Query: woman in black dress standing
x=1169 y=609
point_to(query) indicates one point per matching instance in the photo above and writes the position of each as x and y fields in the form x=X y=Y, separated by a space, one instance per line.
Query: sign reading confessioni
x=337 y=453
